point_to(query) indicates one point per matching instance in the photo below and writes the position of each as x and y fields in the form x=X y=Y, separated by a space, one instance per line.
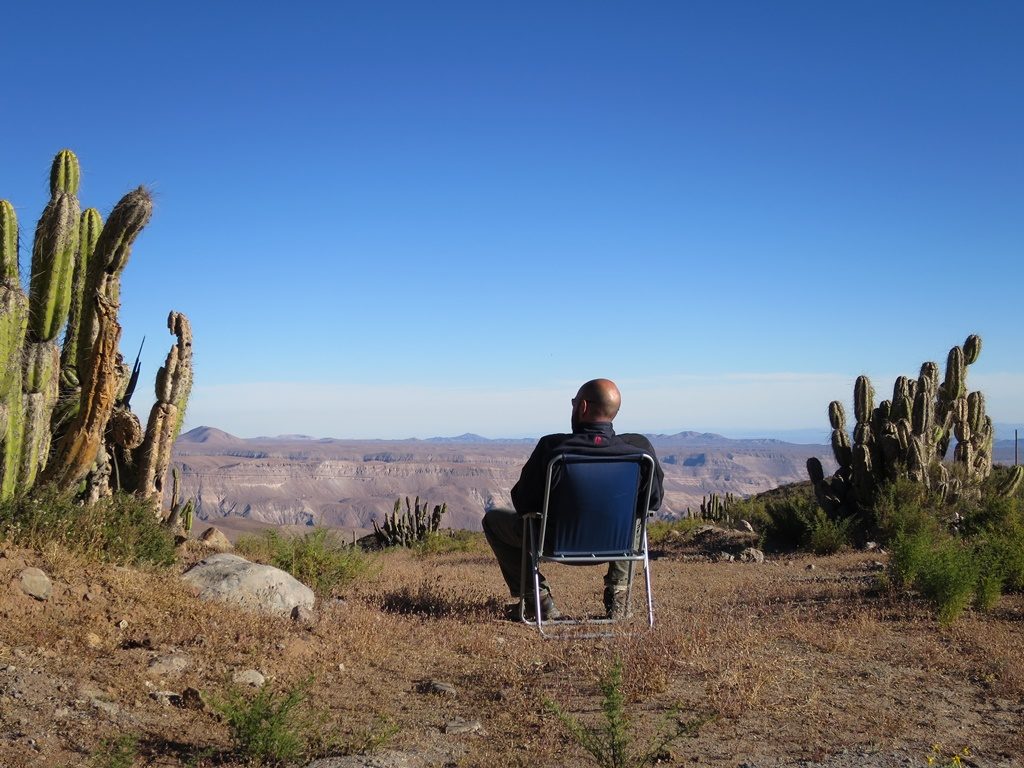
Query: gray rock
x=303 y=615
x=752 y=555
x=249 y=677
x=437 y=687
x=458 y=725
x=35 y=583
x=233 y=579
x=107 y=707
x=213 y=539
x=165 y=697
x=746 y=526
x=171 y=664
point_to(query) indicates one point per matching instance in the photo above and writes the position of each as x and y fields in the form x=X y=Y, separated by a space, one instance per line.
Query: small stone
x=811 y=567
x=171 y=664
x=165 y=697
x=746 y=526
x=752 y=555
x=303 y=615
x=92 y=640
x=249 y=677
x=35 y=583
x=213 y=539
x=437 y=687
x=122 y=624
x=191 y=698
x=341 y=667
x=107 y=707
x=871 y=545
x=458 y=725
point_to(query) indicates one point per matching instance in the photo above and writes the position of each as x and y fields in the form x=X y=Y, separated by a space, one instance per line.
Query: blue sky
x=397 y=219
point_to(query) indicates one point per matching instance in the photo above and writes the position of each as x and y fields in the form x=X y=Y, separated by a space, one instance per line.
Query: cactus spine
x=908 y=436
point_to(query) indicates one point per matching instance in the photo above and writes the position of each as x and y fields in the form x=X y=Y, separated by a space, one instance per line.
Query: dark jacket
x=596 y=438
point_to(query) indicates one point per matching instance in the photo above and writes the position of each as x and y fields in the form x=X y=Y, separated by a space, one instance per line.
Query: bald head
x=597 y=400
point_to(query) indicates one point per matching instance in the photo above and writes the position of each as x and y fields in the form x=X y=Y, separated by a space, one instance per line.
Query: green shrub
x=611 y=743
x=658 y=531
x=443 y=541
x=267 y=728
x=754 y=511
x=904 y=507
x=790 y=521
x=949 y=579
x=826 y=536
x=319 y=559
x=946 y=571
x=120 y=529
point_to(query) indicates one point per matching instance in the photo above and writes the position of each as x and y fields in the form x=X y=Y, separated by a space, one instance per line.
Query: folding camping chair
x=592 y=508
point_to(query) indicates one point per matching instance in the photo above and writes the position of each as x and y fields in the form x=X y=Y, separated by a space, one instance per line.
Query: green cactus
x=53 y=252
x=972 y=348
x=8 y=243
x=414 y=525
x=89 y=232
x=863 y=399
x=13 y=326
x=173 y=385
x=61 y=409
x=908 y=436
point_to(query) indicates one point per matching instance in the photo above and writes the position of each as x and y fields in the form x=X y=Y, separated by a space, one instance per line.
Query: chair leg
x=647 y=579
x=527 y=548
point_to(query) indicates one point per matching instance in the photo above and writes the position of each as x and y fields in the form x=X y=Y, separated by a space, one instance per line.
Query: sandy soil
x=793 y=662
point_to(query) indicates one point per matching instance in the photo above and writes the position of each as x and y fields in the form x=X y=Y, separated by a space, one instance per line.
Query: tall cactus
x=173 y=385
x=63 y=411
x=13 y=324
x=908 y=436
x=53 y=262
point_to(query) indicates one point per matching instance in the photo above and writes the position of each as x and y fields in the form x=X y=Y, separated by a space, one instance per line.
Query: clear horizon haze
x=404 y=219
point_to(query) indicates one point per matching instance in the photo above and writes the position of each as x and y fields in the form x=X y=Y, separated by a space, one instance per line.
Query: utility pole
x=1015 y=447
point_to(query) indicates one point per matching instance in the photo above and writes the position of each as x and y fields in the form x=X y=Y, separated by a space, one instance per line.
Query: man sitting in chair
x=593 y=410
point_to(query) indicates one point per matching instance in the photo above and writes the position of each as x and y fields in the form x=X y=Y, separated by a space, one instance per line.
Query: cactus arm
x=173 y=384
x=77 y=449
x=89 y=232
x=113 y=248
x=53 y=251
x=972 y=348
x=8 y=244
x=13 y=325
x=98 y=361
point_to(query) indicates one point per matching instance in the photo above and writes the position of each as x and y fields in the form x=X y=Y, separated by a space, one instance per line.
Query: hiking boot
x=548 y=610
x=615 y=602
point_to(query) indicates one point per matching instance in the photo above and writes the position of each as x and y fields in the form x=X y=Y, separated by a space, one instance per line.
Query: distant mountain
x=208 y=436
x=294 y=480
x=469 y=437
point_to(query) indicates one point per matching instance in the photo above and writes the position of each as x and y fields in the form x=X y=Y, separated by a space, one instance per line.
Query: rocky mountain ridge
x=299 y=480
x=302 y=480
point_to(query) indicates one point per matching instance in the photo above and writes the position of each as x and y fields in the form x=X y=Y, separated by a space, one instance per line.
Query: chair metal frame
x=536 y=535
